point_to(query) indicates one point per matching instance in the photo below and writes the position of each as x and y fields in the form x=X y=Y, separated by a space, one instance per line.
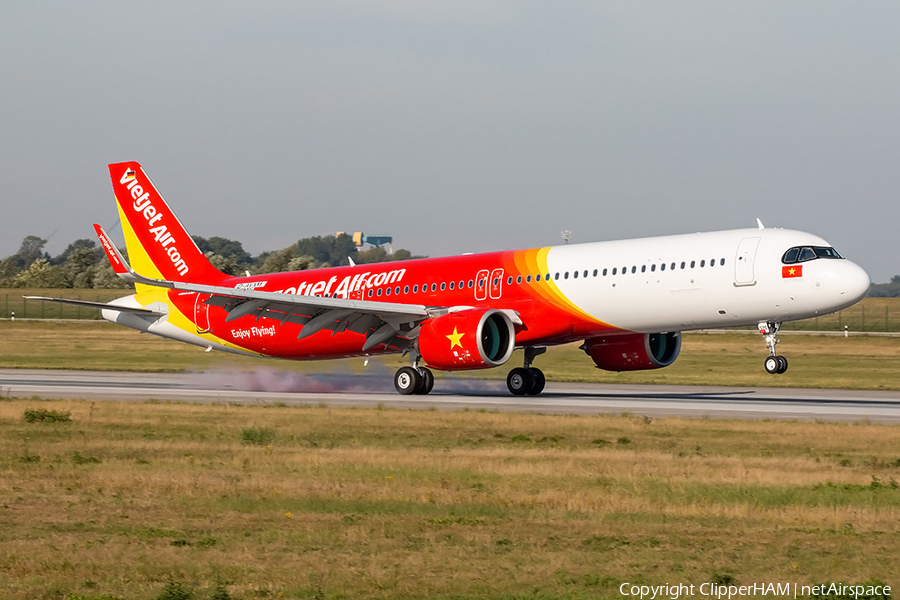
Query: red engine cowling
x=635 y=351
x=468 y=339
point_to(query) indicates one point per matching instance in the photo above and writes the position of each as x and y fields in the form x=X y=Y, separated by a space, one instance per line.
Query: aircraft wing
x=382 y=322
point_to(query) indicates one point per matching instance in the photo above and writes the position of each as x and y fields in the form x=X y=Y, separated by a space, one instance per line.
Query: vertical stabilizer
x=158 y=245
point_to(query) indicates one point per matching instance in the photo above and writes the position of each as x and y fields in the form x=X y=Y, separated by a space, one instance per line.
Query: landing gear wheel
x=406 y=380
x=772 y=364
x=782 y=364
x=537 y=382
x=518 y=381
x=426 y=382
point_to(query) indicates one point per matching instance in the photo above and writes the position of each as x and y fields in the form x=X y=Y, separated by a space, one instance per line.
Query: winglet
x=119 y=265
x=759 y=223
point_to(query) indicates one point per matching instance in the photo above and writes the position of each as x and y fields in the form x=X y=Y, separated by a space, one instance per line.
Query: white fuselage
x=749 y=287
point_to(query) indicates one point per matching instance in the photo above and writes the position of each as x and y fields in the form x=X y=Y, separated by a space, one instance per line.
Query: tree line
x=83 y=264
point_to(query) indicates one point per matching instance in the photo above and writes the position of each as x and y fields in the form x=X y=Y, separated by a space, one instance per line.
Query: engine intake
x=635 y=351
x=467 y=339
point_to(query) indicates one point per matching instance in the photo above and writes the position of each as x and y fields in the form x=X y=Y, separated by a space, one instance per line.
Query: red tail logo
x=161 y=236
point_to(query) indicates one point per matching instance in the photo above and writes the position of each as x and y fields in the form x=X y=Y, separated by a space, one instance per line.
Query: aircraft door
x=481 y=285
x=201 y=313
x=496 y=284
x=743 y=263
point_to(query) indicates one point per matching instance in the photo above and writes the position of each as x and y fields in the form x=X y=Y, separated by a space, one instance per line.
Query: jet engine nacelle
x=467 y=339
x=635 y=351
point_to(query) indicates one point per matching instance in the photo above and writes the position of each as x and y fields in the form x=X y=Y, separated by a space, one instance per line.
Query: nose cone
x=854 y=283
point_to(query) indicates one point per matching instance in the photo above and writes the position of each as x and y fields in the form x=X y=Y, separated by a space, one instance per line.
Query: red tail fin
x=158 y=244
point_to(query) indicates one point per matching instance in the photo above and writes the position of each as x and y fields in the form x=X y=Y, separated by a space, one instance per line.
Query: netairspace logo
x=722 y=591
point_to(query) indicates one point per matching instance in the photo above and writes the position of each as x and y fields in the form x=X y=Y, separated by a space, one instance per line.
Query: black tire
x=406 y=380
x=537 y=382
x=426 y=382
x=518 y=381
x=772 y=364
x=782 y=365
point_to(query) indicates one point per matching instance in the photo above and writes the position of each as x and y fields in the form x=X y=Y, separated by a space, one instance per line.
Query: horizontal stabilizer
x=99 y=305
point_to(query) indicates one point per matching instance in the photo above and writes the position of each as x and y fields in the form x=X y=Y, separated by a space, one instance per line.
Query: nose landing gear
x=774 y=364
x=527 y=380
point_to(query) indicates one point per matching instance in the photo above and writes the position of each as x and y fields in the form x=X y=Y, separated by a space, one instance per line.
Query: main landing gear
x=414 y=380
x=527 y=380
x=774 y=364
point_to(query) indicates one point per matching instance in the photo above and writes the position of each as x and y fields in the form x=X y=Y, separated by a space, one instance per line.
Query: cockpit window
x=805 y=253
x=827 y=253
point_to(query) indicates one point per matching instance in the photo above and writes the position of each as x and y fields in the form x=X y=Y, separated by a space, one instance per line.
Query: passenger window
x=433 y=287
x=537 y=277
x=682 y=264
x=662 y=267
x=387 y=292
x=470 y=283
x=556 y=276
x=702 y=263
x=397 y=290
x=509 y=280
x=379 y=292
x=614 y=270
x=519 y=279
x=652 y=268
x=585 y=273
x=452 y=284
x=462 y=284
x=415 y=289
x=496 y=281
x=643 y=268
x=443 y=286
x=528 y=279
x=604 y=272
x=406 y=289
x=673 y=266
x=370 y=293
x=634 y=269
x=693 y=263
x=722 y=262
x=575 y=274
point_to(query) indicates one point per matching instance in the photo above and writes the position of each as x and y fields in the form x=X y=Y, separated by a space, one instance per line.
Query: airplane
x=628 y=301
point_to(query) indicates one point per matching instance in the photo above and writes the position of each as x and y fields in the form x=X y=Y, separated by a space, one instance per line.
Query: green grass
x=130 y=500
x=11 y=301
x=706 y=359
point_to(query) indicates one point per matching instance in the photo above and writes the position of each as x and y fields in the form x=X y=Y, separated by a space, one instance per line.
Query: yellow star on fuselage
x=455 y=338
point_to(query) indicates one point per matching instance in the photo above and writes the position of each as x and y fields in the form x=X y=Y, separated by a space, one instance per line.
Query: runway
x=344 y=390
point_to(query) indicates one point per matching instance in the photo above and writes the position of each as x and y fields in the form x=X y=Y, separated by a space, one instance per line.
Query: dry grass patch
x=349 y=503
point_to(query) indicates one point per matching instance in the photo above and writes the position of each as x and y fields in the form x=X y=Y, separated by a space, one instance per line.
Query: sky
x=456 y=126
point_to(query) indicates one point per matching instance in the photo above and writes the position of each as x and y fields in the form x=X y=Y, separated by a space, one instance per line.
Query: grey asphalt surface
x=271 y=386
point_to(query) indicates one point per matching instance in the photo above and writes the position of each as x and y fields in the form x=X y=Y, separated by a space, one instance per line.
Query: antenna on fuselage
x=759 y=223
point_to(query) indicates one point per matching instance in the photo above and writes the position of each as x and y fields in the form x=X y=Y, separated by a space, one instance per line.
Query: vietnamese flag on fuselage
x=792 y=271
